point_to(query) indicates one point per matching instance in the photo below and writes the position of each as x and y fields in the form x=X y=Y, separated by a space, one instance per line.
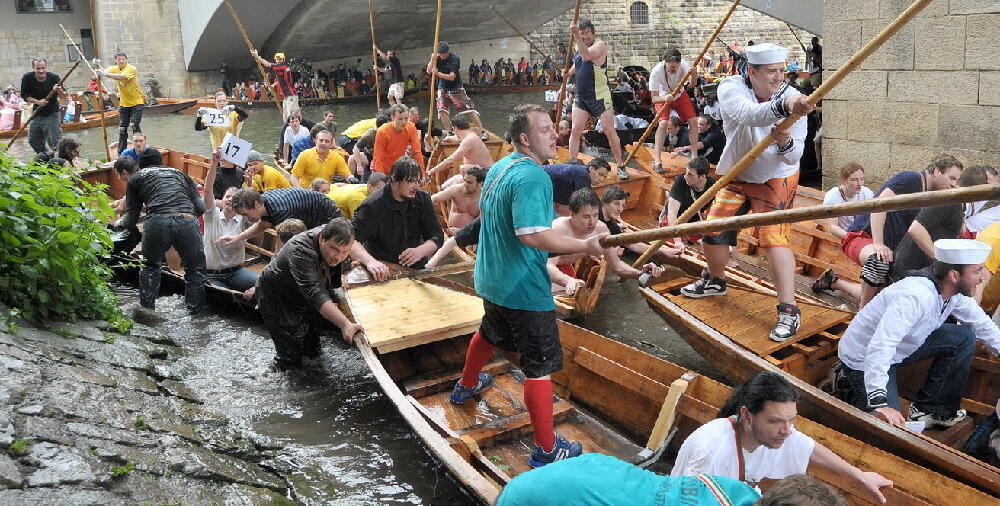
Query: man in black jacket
x=172 y=209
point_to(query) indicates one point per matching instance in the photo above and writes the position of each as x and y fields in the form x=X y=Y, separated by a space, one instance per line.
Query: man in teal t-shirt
x=511 y=277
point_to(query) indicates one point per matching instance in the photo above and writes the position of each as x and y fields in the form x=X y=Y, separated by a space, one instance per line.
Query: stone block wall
x=18 y=48
x=933 y=88
x=684 y=24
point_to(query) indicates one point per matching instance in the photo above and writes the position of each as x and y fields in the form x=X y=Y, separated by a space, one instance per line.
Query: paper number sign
x=215 y=118
x=235 y=150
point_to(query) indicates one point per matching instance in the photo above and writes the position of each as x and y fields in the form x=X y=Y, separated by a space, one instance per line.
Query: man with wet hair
x=397 y=223
x=753 y=438
x=294 y=292
x=471 y=151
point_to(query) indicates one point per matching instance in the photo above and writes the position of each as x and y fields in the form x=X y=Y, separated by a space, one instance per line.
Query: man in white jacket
x=905 y=323
x=751 y=108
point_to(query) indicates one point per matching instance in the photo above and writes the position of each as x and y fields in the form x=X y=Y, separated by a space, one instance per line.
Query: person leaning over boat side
x=511 y=277
x=464 y=199
x=593 y=93
x=571 y=176
x=583 y=222
x=612 y=205
x=874 y=347
x=294 y=292
x=395 y=71
x=396 y=139
x=131 y=101
x=319 y=162
x=447 y=68
x=224 y=263
x=282 y=86
x=753 y=438
x=172 y=209
x=687 y=188
x=667 y=75
x=710 y=140
x=139 y=144
x=471 y=150
x=262 y=177
x=217 y=133
x=752 y=106
x=595 y=479
x=397 y=223
x=349 y=196
x=45 y=130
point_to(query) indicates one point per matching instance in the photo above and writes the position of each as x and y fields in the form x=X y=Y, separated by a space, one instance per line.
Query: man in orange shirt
x=394 y=138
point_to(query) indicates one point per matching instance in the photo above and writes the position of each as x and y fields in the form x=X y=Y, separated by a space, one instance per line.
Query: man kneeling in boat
x=464 y=199
x=295 y=292
x=584 y=222
x=905 y=323
x=471 y=150
x=571 y=176
x=753 y=438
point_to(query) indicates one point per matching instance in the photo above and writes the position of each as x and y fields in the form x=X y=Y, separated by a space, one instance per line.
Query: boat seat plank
x=513 y=426
x=613 y=371
x=503 y=400
x=814 y=319
x=426 y=385
x=734 y=321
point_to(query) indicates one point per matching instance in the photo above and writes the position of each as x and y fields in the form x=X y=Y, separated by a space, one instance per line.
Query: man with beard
x=464 y=199
x=397 y=223
x=875 y=346
x=753 y=438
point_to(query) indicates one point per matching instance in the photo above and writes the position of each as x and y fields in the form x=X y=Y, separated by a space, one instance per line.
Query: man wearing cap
x=446 y=67
x=905 y=324
x=665 y=77
x=262 y=177
x=282 y=81
x=751 y=107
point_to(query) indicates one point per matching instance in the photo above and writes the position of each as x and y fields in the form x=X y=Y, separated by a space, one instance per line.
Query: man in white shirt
x=874 y=346
x=665 y=76
x=754 y=439
x=224 y=264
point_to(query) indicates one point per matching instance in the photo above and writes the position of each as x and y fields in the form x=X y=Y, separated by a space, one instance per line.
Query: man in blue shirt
x=512 y=279
x=138 y=144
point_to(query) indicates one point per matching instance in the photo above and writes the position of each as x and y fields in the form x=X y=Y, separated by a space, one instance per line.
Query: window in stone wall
x=30 y=6
x=640 y=13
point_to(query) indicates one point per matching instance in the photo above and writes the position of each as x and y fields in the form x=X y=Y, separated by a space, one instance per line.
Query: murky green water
x=344 y=442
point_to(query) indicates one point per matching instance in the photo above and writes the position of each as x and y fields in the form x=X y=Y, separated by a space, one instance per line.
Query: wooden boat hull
x=607 y=395
x=738 y=362
x=169 y=106
x=93 y=120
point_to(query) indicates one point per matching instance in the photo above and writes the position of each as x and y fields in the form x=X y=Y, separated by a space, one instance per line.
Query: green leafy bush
x=52 y=241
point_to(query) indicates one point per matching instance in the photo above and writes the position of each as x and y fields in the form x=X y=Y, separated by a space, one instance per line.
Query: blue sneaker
x=461 y=394
x=563 y=449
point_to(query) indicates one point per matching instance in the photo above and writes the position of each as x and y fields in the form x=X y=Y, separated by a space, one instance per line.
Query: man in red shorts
x=751 y=107
x=665 y=77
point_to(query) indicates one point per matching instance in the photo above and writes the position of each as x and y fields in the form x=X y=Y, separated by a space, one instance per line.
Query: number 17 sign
x=235 y=150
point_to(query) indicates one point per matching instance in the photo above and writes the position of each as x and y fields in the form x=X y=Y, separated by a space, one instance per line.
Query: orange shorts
x=739 y=198
x=683 y=106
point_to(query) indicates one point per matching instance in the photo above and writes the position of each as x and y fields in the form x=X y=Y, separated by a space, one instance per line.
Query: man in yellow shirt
x=988 y=292
x=349 y=196
x=217 y=133
x=263 y=177
x=319 y=162
x=130 y=97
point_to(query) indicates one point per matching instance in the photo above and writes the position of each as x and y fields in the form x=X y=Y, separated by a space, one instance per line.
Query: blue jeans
x=951 y=347
x=241 y=279
x=159 y=233
x=45 y=130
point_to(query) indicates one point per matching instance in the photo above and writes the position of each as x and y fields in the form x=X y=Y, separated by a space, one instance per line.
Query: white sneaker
x=932 y=420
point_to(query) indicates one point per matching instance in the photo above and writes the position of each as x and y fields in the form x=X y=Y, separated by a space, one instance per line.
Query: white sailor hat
x=961 y=251
x=766 y=53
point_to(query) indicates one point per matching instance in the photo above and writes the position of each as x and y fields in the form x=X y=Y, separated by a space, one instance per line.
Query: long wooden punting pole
x=519 y=32
x=569 y=59
x=434 y=61
x=47 y=98
x=849 y=66
x=691 y=71
x=822 y=211
x=263 y=73
x=378 y=92
x=100 y=94
x=797 y=39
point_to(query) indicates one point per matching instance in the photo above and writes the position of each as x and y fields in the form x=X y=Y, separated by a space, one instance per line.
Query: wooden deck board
x=503 y=400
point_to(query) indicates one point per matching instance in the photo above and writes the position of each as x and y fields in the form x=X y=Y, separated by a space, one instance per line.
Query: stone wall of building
x=933 y=88
x=684 y=24
x=24 y=37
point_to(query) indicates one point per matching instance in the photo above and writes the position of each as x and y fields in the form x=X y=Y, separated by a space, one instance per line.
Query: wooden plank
x=511 y=427
x=417 y=340
x=613 y=371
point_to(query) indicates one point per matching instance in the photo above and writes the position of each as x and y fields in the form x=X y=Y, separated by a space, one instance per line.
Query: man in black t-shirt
x=45 y=130
x=446 y=67
x=685 y=190
x=612 y=205
x=394 y=70
x=711 y=140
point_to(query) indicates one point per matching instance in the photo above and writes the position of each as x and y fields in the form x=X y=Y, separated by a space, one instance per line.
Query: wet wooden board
x=404 y=313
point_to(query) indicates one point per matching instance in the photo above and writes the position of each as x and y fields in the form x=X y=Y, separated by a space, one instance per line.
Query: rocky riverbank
x=90 y=416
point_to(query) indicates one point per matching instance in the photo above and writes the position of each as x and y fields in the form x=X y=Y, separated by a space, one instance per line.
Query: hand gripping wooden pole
x=378 y=92
x=47 y=98
x=817 y=212
x=523 y=36
x=569 y=59
x=691 y=71
x=852 y=63
x=263 y=73
x=433 y=77
x=100 y=94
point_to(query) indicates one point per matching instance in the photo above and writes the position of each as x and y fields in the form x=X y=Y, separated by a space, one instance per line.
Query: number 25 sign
x=216 y=118
x=235 y=150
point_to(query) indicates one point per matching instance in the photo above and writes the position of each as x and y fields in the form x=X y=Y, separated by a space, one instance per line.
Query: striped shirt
x=313 y=208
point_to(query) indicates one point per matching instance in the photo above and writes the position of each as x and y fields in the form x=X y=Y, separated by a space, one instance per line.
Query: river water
x=343 y=441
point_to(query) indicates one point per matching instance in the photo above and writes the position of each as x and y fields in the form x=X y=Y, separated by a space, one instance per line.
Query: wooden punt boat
x=732 y=333
x=169 y=105
x=608 y=395
x=88 y=120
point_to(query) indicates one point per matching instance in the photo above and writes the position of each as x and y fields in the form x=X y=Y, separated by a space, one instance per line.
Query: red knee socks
x=538 y=399
x=480 y=352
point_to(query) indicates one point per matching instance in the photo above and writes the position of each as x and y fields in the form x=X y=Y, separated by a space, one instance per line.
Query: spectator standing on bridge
x=45 y=129
x=130 y=98
x=283 y=81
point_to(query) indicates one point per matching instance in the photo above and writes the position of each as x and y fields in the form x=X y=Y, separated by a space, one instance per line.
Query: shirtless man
x=471 y=150
x=464 y=198
x=585 y=222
